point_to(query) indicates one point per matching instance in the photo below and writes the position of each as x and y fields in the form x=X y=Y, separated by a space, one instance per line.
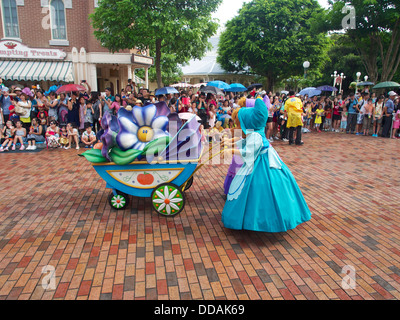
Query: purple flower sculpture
x=110 y=125
x=141 y=126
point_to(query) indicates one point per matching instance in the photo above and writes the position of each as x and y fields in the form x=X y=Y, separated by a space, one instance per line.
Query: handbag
x=19 y=110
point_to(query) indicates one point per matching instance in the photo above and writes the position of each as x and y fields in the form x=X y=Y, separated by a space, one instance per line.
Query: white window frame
x=17 y=4
x=58 y=42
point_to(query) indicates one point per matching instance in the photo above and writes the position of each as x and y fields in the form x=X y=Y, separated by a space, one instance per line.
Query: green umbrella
x=387 y=85
x=353 y=85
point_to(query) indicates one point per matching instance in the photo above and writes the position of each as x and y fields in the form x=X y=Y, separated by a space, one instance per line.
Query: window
x=59 y=30
x=10 y=18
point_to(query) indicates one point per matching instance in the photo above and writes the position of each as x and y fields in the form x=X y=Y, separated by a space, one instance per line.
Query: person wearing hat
x=388 y=111
x=5 y=103
x=253 y=201
x=139 y=103
x=16 y=93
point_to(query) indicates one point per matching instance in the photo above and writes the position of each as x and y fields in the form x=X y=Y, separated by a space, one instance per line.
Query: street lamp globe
x=306 y=65
x=358 y=74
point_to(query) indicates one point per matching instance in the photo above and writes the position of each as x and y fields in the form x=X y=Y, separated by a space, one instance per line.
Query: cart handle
x=200 y=166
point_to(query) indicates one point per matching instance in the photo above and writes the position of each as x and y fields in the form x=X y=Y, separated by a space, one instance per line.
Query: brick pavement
x=54 y=211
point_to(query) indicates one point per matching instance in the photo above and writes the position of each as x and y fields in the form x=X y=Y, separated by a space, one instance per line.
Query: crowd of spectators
x=30 y=115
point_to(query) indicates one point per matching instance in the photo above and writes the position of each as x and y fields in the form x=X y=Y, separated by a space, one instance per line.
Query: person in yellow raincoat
x=294 y=107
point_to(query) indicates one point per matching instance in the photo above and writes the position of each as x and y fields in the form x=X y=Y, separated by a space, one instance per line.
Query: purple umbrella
x=327 y=88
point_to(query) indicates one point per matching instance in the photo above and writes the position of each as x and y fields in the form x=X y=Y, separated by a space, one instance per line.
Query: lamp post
x=306 y=65
x=358 y=74
x=366 y=89
x=342 y=77
x=334 y=76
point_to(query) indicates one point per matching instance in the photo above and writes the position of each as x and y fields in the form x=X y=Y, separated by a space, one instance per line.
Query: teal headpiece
x=254 y=118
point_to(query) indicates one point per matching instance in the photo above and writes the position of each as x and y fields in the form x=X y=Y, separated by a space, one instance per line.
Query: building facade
x=52 y=42
x=208 y=69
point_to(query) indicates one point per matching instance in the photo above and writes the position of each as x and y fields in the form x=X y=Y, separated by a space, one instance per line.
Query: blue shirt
x=352 y=105
x=390 y=106
x=6 y=103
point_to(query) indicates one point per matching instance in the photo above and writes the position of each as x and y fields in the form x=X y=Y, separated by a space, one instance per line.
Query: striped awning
x=36 y=70
x=139 y=80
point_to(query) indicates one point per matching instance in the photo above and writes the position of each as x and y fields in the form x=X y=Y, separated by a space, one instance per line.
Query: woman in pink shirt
x=396 y=124
x=117 y=104
x=211 y=100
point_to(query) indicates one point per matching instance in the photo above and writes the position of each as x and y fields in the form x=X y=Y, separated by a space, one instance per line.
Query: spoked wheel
x=119 y=201
x=168 y=200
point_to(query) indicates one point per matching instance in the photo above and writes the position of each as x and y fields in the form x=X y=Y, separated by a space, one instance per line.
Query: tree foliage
x=177 y=27
x=273 y=38
x=376 y=34
x=171 y=72
x=342 y=57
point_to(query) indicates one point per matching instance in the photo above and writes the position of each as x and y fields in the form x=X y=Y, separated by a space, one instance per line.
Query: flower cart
x=148 y=153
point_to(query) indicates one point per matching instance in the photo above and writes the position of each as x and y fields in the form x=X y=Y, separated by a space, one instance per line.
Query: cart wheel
x=119 y=201
x=168 y=200
x=189 y=184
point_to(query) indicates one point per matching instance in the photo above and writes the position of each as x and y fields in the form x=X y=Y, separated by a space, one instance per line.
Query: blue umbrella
x=236 y=87
x=327 y=88
x=310 y=92
x=51 y=89
x=166 y=90
x=219 y=84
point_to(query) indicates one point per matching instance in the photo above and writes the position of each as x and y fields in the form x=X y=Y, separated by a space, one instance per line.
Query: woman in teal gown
x=264 y=195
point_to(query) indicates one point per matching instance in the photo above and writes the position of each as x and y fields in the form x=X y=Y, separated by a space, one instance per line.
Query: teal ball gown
x=264 y=195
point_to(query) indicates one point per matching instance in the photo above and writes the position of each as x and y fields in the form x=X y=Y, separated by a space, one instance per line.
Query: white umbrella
x=187 y=116
x=181 y=85
x=198 y=85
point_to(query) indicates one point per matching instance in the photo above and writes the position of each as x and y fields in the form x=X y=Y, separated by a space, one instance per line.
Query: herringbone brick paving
x=54 y=211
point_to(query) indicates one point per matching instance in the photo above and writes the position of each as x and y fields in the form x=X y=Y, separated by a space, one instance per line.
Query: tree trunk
x=158 y=63
x=369 y=60
x=271 y=82
x=390 y=58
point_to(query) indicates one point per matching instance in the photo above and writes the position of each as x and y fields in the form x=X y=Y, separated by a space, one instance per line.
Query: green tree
x=170 y=71
x=342 y=57
x=375 y=33
x=176 y=27
x=273 y=38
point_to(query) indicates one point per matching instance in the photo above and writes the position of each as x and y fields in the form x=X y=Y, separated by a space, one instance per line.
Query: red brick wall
x=79 y=30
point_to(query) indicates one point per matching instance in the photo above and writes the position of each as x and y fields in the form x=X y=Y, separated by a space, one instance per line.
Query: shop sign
x=16 y=50
x=147 y=61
